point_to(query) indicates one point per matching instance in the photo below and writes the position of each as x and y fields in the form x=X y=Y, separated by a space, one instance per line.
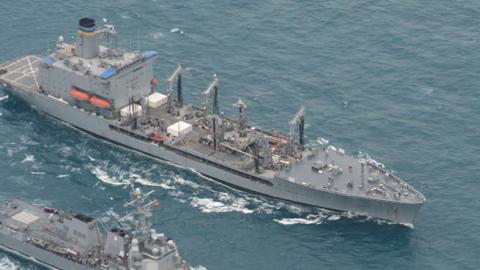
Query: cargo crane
x=216 y=119
x=74 y=80
x=177 y=74
x=206 y=94
x=297 y=120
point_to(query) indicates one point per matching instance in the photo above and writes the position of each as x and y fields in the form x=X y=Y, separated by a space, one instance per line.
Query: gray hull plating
x=36 y=254
x=397 y=211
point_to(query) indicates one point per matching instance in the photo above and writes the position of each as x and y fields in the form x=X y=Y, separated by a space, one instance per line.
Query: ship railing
x=397 y=180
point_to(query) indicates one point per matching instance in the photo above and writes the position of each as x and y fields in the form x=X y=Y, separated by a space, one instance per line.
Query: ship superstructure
x=114 y=95
x=70 y=241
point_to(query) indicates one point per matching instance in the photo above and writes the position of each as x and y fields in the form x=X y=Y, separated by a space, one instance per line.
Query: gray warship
x=113 y=94
x=70 y=241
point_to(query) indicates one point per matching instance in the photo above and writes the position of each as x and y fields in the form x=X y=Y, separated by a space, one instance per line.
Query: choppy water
x=396 y=80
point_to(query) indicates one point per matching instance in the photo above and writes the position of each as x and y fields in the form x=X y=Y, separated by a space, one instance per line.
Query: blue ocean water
x=395 y=79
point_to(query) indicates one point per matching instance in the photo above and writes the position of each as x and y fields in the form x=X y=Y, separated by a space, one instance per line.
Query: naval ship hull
x=279 y=188
x=30 y=252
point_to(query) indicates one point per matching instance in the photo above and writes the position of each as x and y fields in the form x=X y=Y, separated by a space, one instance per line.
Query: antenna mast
x=142 y=211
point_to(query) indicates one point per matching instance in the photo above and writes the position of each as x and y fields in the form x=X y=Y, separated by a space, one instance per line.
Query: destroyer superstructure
x=70 y=241
x=114 y=95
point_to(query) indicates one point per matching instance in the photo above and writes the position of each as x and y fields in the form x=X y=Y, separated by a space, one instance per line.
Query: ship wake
x=210 y=199
x=7 y=264
x=318 y=218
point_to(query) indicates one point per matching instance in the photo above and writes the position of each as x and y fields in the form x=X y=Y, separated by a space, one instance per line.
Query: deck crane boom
x=212 y=88
x=297 y=120
x=177 y=74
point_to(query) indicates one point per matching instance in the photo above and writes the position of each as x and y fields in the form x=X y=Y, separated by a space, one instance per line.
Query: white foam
x=28 y=158
x=199 y=268
x=408 y=225
x=110 y=215
x=264 y=207
x=66 y=151
x=37 y=173
x=309 y=219
x=427 y=90
x=27 y=140
x=104 y=177
x=208 y=205
x=174 y=30
x=7 y=264
x=146 y=182
x=176 y=193
x=182 y=181
x=63 y=175
x=125 y=178
x=296 y=209
x=4 y=98
x=334 y=217
x=167 y=186
x=157 y=35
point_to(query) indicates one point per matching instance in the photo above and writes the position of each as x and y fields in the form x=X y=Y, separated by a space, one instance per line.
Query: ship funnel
x=86 y=45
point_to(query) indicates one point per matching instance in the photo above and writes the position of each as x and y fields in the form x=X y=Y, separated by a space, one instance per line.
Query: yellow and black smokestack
x=86 y=45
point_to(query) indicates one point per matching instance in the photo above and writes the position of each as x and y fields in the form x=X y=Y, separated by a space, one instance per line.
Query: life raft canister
x=77 y=94
x=102 y=103
x=157 y=137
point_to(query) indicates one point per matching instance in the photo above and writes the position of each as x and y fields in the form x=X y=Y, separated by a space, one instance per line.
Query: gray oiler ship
x=112 y=94
x=68 y=241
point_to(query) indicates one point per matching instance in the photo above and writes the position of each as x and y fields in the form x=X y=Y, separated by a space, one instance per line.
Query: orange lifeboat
x=77 y=94
x=102 y=103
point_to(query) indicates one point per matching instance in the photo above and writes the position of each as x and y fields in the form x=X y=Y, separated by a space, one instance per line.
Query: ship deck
x=328 y=169
x=191 y=141
x=21 y=73
x=27 y=222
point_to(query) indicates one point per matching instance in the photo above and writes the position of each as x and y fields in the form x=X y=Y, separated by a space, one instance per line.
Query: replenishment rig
x=113 y=94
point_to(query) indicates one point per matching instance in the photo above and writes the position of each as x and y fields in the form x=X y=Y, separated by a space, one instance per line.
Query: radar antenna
x=142 y=211
x=108 y=32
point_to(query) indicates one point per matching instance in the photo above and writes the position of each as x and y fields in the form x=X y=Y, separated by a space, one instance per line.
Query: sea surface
x=398 y=80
